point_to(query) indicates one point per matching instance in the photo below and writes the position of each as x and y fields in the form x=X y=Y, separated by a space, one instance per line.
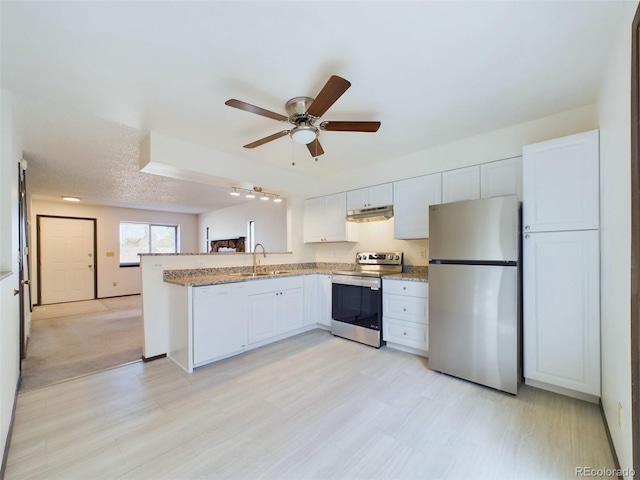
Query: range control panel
x=379 y=258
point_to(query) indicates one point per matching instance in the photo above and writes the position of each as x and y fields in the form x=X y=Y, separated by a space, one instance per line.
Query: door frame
x=23 y=256
x=635 y=240
x=94 y=259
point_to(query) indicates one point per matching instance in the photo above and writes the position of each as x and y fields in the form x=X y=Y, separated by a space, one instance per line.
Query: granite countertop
x=409 y=276
x=204 y=277
x=202 y=280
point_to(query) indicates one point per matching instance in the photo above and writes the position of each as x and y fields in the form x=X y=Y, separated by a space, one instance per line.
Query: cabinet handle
x=527 y=236
x=405 y=334
x=404 y=309
x=527 y=227
x=404 y=288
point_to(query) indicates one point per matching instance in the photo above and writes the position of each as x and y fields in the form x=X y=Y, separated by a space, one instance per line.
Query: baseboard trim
x=610 y=440
x=155 y=357
x=5 y=454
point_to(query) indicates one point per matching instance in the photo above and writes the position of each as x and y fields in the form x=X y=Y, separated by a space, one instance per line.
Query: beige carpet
x=72 y=339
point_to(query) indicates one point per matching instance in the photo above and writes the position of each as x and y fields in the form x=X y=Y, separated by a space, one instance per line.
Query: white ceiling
x=92 y=79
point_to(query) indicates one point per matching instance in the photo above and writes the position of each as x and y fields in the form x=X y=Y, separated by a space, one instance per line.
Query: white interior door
x=66 y=260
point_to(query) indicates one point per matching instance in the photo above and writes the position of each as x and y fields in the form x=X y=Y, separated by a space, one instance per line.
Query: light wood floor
x=313 y=406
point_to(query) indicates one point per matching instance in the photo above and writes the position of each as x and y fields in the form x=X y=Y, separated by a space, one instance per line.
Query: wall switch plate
x=111 y=254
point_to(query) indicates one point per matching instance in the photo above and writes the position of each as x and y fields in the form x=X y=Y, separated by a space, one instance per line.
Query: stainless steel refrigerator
x=475 y=292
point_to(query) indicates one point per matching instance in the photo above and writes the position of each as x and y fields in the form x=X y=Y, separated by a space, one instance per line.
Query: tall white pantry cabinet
x=561 y=265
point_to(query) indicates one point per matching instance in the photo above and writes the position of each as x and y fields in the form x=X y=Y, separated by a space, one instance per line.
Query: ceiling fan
x=303 y=112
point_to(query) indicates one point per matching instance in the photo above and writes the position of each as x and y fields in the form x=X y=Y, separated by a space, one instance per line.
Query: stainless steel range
x=356 y=305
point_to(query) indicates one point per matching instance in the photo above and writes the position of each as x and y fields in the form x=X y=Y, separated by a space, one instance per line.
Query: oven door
x=357 y=301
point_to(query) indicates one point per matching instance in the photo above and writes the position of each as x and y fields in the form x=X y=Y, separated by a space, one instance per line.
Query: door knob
x=24 y=282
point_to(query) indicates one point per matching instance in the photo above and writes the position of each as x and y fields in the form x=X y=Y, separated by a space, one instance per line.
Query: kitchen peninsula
x=214 y=313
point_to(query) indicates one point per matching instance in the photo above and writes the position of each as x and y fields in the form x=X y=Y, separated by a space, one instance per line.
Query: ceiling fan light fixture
x=304 y=134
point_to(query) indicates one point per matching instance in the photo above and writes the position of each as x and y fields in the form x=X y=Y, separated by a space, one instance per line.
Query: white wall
x=10 y=155
x=270 y=221
x=615 y=233
x=497 y=145
x=108 y=240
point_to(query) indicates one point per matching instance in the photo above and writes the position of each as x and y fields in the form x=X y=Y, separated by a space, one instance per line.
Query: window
x=138 y=238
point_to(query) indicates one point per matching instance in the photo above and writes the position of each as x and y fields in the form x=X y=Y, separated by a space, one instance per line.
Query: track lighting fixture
x=251 y=193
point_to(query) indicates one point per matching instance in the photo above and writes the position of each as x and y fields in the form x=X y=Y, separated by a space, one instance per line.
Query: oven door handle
x=372 y=283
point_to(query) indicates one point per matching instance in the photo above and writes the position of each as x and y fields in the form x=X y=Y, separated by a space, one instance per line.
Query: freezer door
x=475 y=230
x=474 y=323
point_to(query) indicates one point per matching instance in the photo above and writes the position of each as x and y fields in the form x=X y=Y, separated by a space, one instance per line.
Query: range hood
x=370 y=214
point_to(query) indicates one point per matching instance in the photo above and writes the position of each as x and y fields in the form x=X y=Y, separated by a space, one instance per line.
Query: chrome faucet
x=255 y=249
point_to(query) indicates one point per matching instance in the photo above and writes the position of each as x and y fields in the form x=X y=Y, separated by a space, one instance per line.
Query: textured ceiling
x=91 y=79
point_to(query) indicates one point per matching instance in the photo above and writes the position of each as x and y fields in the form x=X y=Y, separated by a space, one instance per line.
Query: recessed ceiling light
x=71 y=199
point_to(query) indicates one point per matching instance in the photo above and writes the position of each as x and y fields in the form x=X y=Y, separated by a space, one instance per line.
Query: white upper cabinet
x=503 y=177
x=325 y=220
x=370 y=197
x=411 y=200
x=560 y=184
x=461 y=184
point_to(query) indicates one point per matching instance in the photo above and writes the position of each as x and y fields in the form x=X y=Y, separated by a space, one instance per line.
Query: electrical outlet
x=620 y=415
x=115 y=284
x=423 y=254
x=158 y=265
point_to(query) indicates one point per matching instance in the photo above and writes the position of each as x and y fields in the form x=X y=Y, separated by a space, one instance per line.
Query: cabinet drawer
x=412 y=309
x=406 y=333
x=406 y=287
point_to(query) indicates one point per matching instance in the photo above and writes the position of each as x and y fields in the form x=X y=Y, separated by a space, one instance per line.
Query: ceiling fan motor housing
x=297 y=110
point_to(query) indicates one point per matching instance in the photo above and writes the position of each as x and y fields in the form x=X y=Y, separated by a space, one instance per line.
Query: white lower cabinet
x=561 y=310
x=275 y=308
x=219 y=322
x=405 y=320
x=324 y=300
x=317 y=300
x=263 y=316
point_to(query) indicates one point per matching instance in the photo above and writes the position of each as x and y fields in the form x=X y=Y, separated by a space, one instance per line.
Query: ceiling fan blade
x=350 y=126
x=315 y=149
x=264 y=140
x=332 y=91
x=247 y=107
